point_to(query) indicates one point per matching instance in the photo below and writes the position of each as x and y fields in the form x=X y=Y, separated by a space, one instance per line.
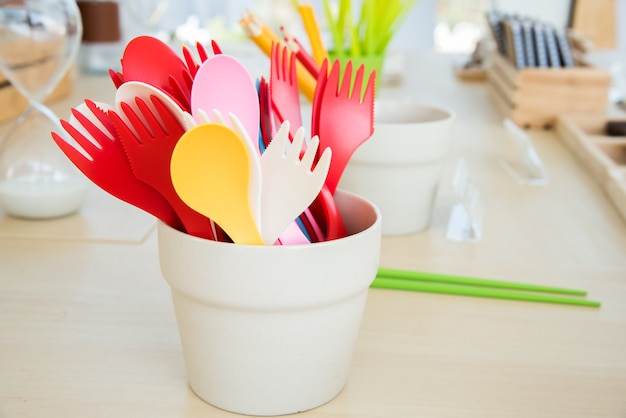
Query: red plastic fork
x=284 y=91
x=192 y=65
x=265 y=131
x=150 y=153
x=116 y=77
x=317 y=98
x=108 y=166
x=344 y=120
x=325 y=212
x=343 y=123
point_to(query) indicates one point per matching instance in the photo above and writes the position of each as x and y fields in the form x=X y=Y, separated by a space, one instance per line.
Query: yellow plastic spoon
x=211 y=172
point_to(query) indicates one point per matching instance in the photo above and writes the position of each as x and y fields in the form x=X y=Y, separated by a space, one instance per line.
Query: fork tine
x=102 y=116
x=93 y=130
x=358 y=81
x=347 y=79
x=216 y=49
x=89 y=147
x=311 y=150
x=317 y=97
x=75 y=156
x=293 y=78
x=323 y=164
x=116 y=77
x=188 y=79
x=122 y=128
x=284 y=67
x=333 y=79
x=191 y=63
x=217 y=116
x=201 y=52
x=296 y=144
x=235 y=125
x=148 y=115
x=370 y=90
x=179 y=95
x=140 y=129
x=168 y=119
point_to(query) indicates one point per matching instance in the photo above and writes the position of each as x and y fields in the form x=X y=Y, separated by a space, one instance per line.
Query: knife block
x=12 y=103
x=535 y=97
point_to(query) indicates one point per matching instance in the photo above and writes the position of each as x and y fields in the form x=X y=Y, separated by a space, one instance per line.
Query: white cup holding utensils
x=399 y=168
x=270 y=329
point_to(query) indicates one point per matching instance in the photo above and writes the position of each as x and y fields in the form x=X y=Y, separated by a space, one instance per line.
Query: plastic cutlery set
x=204 y=148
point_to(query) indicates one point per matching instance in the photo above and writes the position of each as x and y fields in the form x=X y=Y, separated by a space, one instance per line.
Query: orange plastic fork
x=344 y=120
x=150 y=152
x=108 y=167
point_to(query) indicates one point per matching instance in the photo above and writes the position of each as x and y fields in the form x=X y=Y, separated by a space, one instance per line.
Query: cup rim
x=448 y=115
x=341 y=193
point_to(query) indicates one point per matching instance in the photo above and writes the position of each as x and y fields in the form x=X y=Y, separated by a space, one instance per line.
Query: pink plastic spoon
x=222 y=83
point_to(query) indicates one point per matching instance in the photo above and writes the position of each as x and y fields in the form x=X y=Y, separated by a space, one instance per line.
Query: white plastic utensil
x=223 y=83
x=130 y=90
x=290 y=184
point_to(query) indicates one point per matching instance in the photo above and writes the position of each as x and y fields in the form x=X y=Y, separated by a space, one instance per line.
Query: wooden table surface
x=87 y=326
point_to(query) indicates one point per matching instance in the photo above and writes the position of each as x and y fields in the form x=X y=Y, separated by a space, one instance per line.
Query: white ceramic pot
x=400 y=166
x=270 y=330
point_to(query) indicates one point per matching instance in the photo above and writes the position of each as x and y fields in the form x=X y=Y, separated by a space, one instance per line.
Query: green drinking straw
x=485 y=292
x=471 y=281
x=469 y=286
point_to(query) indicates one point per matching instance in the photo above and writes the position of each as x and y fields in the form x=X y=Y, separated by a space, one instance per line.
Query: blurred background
x=443 y=25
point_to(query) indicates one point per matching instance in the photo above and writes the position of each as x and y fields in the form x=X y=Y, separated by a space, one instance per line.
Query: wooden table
x=87 y=327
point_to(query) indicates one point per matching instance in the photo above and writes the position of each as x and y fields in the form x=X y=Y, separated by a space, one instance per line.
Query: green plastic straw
x=355 y=48
x=378 y=22
x=477 y=291
x=471 y=281
x=336 y=29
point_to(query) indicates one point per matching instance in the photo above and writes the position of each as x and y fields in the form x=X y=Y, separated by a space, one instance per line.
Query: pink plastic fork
x=325 y=212
x=344 y=121
x=284 y=91
x=107 y=165
x=150 y=153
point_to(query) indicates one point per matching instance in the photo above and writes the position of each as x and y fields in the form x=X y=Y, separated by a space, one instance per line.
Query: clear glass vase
x=39 y=40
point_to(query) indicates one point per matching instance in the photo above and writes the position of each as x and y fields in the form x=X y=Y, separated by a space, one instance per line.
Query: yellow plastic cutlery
x=211 y=172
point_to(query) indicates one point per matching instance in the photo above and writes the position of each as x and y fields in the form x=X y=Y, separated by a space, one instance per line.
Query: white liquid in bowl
x=40 y=197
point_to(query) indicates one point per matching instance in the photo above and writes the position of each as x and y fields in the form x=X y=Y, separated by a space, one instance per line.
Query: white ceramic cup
x=270 y=330
x=400 y=166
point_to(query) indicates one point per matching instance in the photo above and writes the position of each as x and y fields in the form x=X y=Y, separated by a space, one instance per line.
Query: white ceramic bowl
x=270 y=330
x=400 y=166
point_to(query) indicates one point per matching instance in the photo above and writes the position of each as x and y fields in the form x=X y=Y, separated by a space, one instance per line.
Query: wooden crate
x=535 y=97
x=602 y=155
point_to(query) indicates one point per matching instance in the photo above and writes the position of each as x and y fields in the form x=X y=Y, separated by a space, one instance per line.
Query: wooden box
x=602 y=155
x=535 y=97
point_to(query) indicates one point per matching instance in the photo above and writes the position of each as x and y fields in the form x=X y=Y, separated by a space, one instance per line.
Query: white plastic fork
x=289 y=183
